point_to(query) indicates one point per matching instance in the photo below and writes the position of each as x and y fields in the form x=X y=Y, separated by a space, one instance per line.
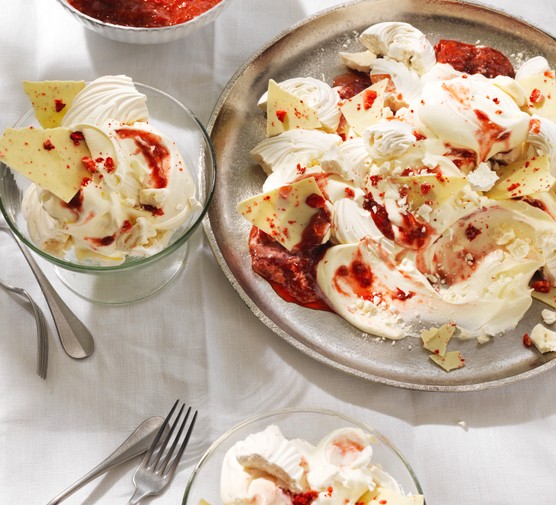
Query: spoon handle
x=75 y=337
x=137 y=443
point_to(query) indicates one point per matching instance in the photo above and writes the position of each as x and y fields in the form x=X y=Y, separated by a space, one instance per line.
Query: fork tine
x=161 y=463
x=183 y=445
x=158 y=466
x=164 y=463
x=155 y=444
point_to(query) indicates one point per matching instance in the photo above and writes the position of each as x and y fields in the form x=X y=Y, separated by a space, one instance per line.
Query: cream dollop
x=350 y=160
x=388 y=139
x=291 y=154
x=542 y=137
x=108 y=97
x=532 y=66
x=406 y=81
x=472 y=113
x=401 y=42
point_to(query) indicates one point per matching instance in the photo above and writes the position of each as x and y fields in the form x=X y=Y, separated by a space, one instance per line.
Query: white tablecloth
x=196 y=340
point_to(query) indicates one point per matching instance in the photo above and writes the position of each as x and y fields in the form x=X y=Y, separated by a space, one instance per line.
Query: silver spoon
x=137 y=443
x=75 y=338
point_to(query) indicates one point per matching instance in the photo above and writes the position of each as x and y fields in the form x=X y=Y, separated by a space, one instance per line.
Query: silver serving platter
x=311 y=48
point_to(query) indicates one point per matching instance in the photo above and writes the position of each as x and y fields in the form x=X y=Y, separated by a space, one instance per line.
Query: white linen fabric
x=196 y=340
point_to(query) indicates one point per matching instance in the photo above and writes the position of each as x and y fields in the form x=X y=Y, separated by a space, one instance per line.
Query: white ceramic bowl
x=138 y=35
x=137 y=277
x=304 y=423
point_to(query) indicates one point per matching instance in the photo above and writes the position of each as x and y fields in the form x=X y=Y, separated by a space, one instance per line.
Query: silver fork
x=157 y=467
x=75 y=337
x=42 y=330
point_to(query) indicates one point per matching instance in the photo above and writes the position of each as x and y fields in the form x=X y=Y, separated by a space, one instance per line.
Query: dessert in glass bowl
x=414 y=191
x=303 y=456
x=104 y=184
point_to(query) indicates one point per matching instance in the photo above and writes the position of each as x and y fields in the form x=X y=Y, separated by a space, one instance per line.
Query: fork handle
x=138 y=495
x=137 y=443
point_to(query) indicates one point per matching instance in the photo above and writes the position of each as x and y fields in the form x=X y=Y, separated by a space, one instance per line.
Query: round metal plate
x=311 y=49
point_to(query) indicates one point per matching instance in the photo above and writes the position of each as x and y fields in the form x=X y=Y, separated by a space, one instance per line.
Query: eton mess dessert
x=106 y=184
x=413 y=193
x=268 y=469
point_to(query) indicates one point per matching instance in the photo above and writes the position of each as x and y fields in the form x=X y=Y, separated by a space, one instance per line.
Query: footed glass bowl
x=307 y=424
x=137 y=277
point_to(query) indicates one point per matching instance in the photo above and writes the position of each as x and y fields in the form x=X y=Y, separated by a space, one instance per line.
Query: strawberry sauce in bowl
x=144 y=21
x=145 y=13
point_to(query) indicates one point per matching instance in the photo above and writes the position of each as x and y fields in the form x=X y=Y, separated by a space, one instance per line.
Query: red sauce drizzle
x=146 y=13
x=316 y=229
x=535 y=203
x=305 y=498
x=156 y=154
x=489 y=133
x=76 y=203
x=541 y=286
x=101 y=241
x=413 y=234
x=402 y=295
x=462 y=158
x=59 y=105
x=379 y=215
x=471 y=232
x=155 y=211
x=77 y=137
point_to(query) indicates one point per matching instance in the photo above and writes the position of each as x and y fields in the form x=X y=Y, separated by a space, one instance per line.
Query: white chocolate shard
x=51 y=99
x=286 y=111
x=284 y=213
x=362 y=61
x=365 y=108
x=49 y=158
x=543 y=338
x=315 y=94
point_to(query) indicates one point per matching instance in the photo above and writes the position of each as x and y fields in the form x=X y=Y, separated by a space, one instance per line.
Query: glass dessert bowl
x=325 y=430
x=146 y=35
x=138 y=276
